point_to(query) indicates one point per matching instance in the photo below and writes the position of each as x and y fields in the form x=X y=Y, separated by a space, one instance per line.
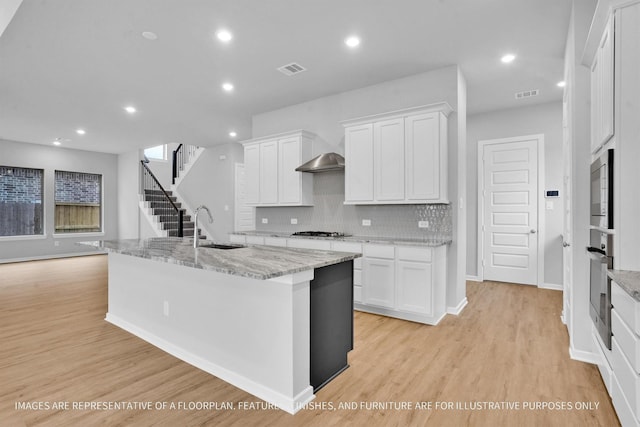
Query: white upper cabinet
x=359 y=163
x=398 y=157
x=388 y=160
x=270 y=164
x=426 y=157
x=602 y=90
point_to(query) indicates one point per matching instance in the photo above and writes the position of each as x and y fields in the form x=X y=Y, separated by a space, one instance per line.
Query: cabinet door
x=269 y=172
x=252 y=174
x=415 y=287
x=388 y=160
x=424 y=158
x=358 y=174
x=595 y=103
x=606 y=84
x=379 y=282
x=289 y=181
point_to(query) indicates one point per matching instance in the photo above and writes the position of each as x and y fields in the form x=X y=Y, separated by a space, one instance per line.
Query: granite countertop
x=359 y=239
x=628 y=280
x=257 y=262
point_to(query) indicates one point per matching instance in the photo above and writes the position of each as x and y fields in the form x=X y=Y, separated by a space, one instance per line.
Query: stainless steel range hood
x=323 y=163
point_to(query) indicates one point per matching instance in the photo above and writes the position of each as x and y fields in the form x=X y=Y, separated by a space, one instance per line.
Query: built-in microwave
x=602 y=191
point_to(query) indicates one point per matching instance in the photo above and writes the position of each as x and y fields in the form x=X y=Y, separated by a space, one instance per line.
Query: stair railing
x=181 y=156
x=148 y=181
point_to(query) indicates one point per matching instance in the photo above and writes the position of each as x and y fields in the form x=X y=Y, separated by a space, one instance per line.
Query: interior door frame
x=540 y=198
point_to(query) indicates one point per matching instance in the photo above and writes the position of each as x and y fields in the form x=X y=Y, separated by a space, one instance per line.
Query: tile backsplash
x=329 y=213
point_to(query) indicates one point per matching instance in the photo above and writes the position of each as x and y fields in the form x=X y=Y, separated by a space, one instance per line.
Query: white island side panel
x=251 y=333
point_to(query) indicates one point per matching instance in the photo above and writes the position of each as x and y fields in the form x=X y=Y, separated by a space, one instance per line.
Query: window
x=78 y=198
x=159 y=152
x=21 y=212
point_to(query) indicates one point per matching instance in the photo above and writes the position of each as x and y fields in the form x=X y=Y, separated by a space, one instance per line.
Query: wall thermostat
x=552 y=193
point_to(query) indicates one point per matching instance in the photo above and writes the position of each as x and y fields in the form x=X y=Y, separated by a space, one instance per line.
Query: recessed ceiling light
x=149 y=35
x=227 y=86
x=508 y=58
x=352 y=41
x=233 y=134
x=80 y=131
x=561 y=84
x=130 y=109
x=224 y=36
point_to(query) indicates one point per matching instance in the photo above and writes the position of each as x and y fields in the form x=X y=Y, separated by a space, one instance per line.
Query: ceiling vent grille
x=527 y=94
x=291 y=69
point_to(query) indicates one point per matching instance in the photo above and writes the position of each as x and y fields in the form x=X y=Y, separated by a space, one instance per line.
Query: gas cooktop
x=320 y=234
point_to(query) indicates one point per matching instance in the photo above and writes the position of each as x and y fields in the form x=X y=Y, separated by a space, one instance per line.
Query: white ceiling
x=68 y=64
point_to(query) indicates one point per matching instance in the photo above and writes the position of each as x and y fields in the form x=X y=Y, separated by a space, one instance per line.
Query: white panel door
x=252 y=174
x=388 y=159
x=269 y=172
x=289 y=181
x=358 y=174
x=422 y=151
x=510 y=237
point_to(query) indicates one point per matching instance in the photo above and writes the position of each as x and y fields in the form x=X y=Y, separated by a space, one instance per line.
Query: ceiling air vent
x=291 y=69
x=527 y=94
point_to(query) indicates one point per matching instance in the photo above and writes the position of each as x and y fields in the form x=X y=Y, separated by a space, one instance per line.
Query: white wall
x=50 y=159
x=210 y=182
x=128 y=195
x=323 y=116
x=538 y=119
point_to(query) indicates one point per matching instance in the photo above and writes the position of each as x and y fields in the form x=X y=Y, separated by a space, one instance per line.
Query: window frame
x=58 y=234
x=43 y=233
x=165 y=153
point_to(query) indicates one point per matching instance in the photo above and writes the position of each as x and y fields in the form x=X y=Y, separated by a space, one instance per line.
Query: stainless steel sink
x=220 y=246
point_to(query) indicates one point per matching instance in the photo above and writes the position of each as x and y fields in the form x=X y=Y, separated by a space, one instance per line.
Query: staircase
x=162 y=209
x=165 y=217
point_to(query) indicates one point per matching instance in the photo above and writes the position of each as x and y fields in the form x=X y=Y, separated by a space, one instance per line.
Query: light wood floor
x=507 y=345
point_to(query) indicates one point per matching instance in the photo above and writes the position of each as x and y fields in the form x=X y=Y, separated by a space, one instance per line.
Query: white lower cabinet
x=407 y=282
x=624 y=358
x=379 y=277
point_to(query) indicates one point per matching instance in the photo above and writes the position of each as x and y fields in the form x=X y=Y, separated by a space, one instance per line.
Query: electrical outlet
x=222 y=157
x=226 y=207
x=423 y=224
x=294 y=221
x=366 y=222
x=56 y=243
x=165 y=308
x=265 y=220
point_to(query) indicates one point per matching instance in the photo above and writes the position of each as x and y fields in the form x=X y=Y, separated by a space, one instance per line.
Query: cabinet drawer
x=629 y=343
x=357 y=277
x=379 y=251
x=275 y=241
x=357 y=294
x=346 y=247
x=408 y=253
x=624 y=373
x=237 y=238
x=255 y=240
x=623 y=409
x=324 y=245
x=628 y=308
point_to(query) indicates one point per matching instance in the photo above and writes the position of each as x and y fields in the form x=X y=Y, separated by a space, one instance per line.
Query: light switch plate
x=294 y=221
x=423 y=224
x=549 y=205
x=265 y=220
x=366 y=222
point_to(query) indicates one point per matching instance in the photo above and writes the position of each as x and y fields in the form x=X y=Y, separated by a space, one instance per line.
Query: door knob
x=565 y=244
x=533 y=231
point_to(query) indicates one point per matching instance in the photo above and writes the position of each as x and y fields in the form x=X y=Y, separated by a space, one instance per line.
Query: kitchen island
x=251 y=316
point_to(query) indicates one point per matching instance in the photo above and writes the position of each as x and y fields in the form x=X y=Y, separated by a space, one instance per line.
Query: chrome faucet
x=195 y=223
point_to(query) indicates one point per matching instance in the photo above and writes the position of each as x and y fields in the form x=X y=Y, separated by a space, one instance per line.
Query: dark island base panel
x=331 y=312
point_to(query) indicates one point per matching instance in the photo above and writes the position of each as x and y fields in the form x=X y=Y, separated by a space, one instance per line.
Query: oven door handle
x=596 y=250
